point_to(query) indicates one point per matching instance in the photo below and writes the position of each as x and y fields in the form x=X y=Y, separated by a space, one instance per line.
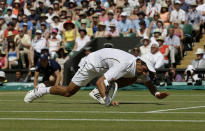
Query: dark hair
x=9 y=47
x=142 y=22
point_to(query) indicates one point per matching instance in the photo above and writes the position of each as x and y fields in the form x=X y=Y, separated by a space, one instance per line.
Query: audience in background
x=19 y=77
x=146 y=47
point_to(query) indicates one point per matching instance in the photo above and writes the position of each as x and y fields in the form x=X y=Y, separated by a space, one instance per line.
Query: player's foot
x=34 y=94
x=95 y=94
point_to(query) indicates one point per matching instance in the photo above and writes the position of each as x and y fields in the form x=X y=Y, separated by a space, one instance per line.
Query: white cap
x=2 y=74
x=38 y=31
x=9 y=8
x=123 y=14
x=150 y=65
x=199 y=51
x=177 y=2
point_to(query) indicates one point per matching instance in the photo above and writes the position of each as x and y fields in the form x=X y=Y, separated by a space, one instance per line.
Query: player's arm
x=36 y=74
x=101 y=86
x=58 y=77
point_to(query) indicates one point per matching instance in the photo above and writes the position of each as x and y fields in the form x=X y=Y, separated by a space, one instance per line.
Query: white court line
x=185 y=108
x=63 y=100
x=109 y=120
x=102 y=112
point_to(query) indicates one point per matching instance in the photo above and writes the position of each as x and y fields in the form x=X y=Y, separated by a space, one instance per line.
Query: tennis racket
x=111 y=91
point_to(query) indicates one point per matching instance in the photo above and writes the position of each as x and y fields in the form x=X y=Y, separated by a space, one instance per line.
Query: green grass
x=134 y=105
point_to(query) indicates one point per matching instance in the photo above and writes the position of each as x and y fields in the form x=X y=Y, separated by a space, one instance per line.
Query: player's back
x=108 y=56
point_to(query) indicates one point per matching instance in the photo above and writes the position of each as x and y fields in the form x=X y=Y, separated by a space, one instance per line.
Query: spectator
x=195 y=19
x=179 y=32
x=25 y=29
x=56 y=23
x=153 y=24
x=76 y=13
x=23 y=42
x=19 y=77
x=152 y=8
x=101 y=30
x=157 y=34
x=42 y=8
x=82 y=15
x=89 y=30
x=142 y=5
x=103 y=17
x=184 y=5
x=142 y=31
x=8 y=15
x=110 y=4
x=27 y=9
x=157 y=55
x=173 y=42
x=199 y=62
x=141 y=17
x=61 y=59
x=82 y=40
x=170 y=5
x=146 y=47
x=10 y=29
x=164 y=49
x=53 y=44
x=118 y=13
x=113 y=32
x=161 y=27
x=33 y=15
x=136 y=51
x=69 y=35
x=94 y=23
x=12 y=55
x=110 y=20
x=125 y=25
x=38 y=43
x=25 y=20
x=2 y=78
x=17 y=7
x=178 y=14
x=127 y=7
x=56 y=7
x=3 y=61
x=50 y=70
x=3 y=24
x=134 y=13
x=43 y=19
x=165 y=15
x=50 y=15
x=45 y=30
x=172 y=76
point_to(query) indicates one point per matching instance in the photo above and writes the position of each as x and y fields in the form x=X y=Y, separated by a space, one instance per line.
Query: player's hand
x=162 y=95
x=115 y=103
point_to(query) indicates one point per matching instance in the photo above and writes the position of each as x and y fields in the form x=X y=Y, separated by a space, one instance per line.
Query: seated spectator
x=157 y=34
x=33 y=15
x=146 y=47
x=38 y=43
x=118 y=13
x=50 y=15
x=82 y=15
x=179 y=32
x=25 y=29
x=164 y=49
x=153 y=24
x=15 y=21
x=184 y=5
x=53 y=44
x=69 y=35
x=113 y=32
x=142 y=5
x=61 y=59
x=56 y=7
x=142 y=31
x=194 y=18
x=94 y=23
x=12 y=55
x=155 y=57
x=23 y=42
x=19 y=77
x=110 y=20
x=172 y=76
x=56 y=23
x=173 y=42
x=50 y=70
x=199 y=63
x=161 y=27
x=45 y=30
x=43 y=20
x=136 y=51
x=178 y=14
x=110 y=5
x=101 y=30
x=125 y=25
x=141 y=17
x=127 y=7
x=3 y=61
x=42 y=8
x=82 y=40
x=88 y=29
x=152 y=8
x=25 y=20
x=103 y=17
x=165 y=15
x=8 y=15
x=133 y=15
x=10 y=29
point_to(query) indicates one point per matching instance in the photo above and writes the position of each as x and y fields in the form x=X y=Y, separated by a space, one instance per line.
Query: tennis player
x=111 y=65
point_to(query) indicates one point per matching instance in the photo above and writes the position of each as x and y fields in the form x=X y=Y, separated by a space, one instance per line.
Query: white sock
x=45 y=90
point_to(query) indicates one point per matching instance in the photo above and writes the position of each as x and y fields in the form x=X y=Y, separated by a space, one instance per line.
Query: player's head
x=141 y=67
x=44 y=60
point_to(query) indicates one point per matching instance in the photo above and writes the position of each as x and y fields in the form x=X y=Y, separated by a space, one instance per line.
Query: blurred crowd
x=60 y=28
